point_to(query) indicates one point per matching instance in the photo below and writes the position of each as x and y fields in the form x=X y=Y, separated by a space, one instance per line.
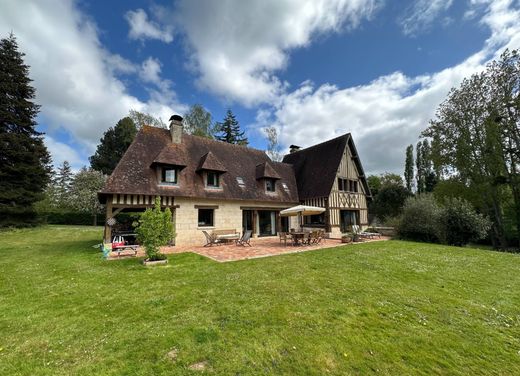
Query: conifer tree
x=113 y=145
x=62 y=183
x=229 y=130
x=408 y=168
x=24 y=159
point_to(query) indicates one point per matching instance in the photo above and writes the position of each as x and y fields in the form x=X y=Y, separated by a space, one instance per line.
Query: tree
x=374 y=183
x=460 y=224
x=273 y=148
x=62 y=184
x=476 y=137
x=197 y=121
x=419 y=163
x=229 y=130
x=113 y=145
x=84 y=188
x=389 y=195
x=408 y=168
x=420 y=219
x=24 y=159
x=155 y=229
x=389 y=178
x=143 y=118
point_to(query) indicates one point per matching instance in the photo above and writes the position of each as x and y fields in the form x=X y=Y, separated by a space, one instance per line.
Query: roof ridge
x=321 y=143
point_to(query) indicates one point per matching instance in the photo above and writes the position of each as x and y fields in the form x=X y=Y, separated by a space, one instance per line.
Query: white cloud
x=74 y=76
x=142 y=28
x=389 y=113
x=62 y=152
x=420 y=16
x=237 y=46
x=151 y=71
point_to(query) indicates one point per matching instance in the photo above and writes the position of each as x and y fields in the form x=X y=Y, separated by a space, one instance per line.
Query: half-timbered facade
x=330 y=175
x=210 y=185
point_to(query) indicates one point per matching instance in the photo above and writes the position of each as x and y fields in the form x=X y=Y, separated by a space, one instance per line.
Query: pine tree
x=62 y=184
x=113 y=145
x=408 y=168
x=24 y=159
x=229 y=130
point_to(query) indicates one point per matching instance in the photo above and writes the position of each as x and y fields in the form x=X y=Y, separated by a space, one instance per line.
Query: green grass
x=390 y=307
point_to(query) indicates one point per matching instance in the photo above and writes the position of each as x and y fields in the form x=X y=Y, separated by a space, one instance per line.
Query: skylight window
x=240 y=181
x=284 y=185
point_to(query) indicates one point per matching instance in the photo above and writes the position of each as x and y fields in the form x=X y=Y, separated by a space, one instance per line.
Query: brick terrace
x=260 y=247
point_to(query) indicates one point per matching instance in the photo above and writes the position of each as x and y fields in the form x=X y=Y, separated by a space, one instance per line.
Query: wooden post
x=108 y=229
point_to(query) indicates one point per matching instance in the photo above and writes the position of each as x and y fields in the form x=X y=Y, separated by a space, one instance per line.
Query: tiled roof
x=136 y=172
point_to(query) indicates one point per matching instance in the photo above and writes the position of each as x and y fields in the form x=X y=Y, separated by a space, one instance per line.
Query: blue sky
x=312 y=69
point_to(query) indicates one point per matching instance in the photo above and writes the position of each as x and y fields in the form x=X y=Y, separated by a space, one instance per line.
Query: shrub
x=460 y=224
x=63 y=217
x=420 y=219
x=154 y=229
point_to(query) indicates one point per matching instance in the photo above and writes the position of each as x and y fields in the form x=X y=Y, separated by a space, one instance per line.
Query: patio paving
x=260 y=247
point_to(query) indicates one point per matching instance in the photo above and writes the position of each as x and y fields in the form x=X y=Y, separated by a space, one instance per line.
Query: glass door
x=247 y=220
x=347 y=218
x=267 y=222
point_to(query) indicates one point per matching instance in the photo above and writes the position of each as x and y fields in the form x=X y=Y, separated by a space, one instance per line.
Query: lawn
x=389 y=307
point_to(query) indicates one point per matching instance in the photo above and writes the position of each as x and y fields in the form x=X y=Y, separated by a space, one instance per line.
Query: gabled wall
x=340 y=200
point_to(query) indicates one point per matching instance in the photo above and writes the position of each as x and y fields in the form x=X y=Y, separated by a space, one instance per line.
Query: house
x=211 y=185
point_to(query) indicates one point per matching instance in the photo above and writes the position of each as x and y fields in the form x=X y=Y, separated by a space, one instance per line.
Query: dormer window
x=270 y=185
x=212 y=179
x=169 y=175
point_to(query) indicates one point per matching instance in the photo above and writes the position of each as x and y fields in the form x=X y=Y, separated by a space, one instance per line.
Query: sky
x=313 y=69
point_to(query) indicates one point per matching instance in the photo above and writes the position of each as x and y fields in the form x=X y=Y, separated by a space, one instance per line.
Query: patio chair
x=370 y=235
x=319 y=236
x=210 y=239
x=245 y=239
x=307 y=238
x=283 y=238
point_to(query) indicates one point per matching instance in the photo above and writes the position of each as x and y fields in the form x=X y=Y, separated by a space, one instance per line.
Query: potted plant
x=155 y=229
x=347 y=237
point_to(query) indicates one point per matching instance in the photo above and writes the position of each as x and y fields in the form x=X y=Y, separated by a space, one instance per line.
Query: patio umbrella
x=301 y=210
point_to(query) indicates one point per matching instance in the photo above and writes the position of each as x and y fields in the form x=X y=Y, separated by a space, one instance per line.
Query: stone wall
x=227 y=216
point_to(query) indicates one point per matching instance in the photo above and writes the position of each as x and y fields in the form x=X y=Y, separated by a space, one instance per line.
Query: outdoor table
x=228 y=237
x=297 y=237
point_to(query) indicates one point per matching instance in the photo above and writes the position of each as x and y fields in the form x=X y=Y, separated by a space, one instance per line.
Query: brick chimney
x=176 y=128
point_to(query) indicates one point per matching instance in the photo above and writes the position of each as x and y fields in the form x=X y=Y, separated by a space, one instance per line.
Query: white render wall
x=228 y=216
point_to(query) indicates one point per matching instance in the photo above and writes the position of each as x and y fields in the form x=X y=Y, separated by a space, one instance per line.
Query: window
x=169 y=176
x=342 y=184
x=317 y=219
x=212 y=179
x=206 y=217
x=240 y=182
x=270 y=185
x=353 y=186
x=285 y=187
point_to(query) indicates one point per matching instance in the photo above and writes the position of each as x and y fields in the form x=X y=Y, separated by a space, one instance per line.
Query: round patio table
x=297 y=237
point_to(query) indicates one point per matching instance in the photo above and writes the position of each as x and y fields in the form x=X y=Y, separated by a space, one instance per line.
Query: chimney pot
x=294 y=148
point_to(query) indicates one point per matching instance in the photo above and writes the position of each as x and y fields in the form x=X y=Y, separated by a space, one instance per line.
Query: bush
x=60 y=217
x=420 y=219
x=155 y=229
x=460 y=224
